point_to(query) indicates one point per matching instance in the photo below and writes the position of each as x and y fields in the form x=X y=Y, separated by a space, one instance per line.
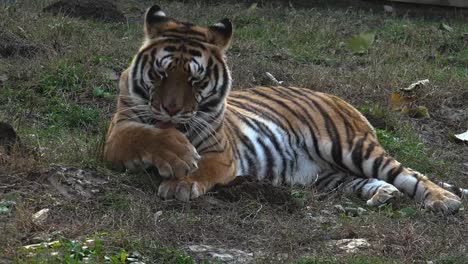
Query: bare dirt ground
x=58 y=78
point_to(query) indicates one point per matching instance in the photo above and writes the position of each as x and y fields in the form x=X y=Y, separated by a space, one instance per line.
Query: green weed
x=71 y=115
x=345 y=260
x=66 y=77
x=67 y=251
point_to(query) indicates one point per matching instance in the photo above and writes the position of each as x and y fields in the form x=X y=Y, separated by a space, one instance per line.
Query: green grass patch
x=406 y=146
x=66 y=77
x=71 y=115
x=345 y=260
x=65 y=251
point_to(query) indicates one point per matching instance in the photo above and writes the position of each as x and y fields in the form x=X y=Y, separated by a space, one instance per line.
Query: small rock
x=361 y=210
x=352 y=211
x=351 y=245
x=43 y=237
x=339 y=208
x=3 y=78
x=388 y=9
x=221 y=254
x=41 y=216
x=111 y=74
x=325 y=211
x=157 y=215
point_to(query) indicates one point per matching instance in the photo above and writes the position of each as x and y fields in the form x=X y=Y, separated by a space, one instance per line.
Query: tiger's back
x=285 y=134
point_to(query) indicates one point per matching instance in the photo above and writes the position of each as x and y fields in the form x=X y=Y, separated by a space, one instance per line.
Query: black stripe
x=393 y=173
x=376 y=166
x=270 y=161
x=313 y=133
x=415 y=189
x=323 y=177
x=265 y=114
x=389 y=159
x=356 y=154
x=359 y=186
x=369 y=150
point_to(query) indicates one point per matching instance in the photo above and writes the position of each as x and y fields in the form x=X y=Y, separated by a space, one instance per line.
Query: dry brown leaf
x=418 y=84
x=399 y=101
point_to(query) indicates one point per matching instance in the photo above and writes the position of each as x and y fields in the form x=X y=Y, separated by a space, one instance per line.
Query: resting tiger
x=176 y=112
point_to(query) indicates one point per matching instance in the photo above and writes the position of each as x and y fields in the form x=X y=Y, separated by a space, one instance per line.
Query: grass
x=61 y=100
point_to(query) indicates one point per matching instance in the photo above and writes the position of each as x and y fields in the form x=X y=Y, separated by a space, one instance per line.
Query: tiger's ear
x=221 y=33
x=155 y=19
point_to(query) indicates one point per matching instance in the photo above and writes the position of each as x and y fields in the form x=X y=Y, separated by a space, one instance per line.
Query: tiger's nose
x=171 y=109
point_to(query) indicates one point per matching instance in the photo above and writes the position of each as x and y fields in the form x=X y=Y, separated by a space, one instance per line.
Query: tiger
x=176 y=113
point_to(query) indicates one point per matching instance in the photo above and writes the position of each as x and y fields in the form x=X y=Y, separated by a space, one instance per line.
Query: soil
x=87 y=9
x=251 y=188
x=11 y=45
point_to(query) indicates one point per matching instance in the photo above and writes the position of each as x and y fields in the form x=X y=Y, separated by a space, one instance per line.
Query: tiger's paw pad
x=384 y=195
x=182 y=190
x=443 y=201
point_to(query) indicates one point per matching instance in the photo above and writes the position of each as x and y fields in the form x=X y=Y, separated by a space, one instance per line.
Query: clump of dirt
x=87 y=9
x=76 y=184
x=11 y=45
x=251 y=188
x=8 y=137
x=378 y=122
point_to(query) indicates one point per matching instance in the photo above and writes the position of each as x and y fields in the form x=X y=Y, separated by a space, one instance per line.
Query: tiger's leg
x=369 y=159
x=213 y=168
x=133 y=145
x=376 y=192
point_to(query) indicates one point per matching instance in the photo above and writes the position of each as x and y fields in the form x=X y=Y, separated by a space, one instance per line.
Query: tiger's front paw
x=182 y=190
x=141 y=147
x=440 y=200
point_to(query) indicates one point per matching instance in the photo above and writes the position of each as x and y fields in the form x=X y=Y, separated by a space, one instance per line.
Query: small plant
x=72 y=115
x=66 y=77
x=300 y=196
x=101 y=92
x=7 y=203
x=361 y=43
x=71 y=252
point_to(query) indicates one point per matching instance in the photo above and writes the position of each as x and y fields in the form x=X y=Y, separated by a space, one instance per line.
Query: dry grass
x=61 y=98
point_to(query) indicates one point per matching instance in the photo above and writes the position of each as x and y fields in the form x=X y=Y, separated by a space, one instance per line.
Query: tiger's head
x=180 y=70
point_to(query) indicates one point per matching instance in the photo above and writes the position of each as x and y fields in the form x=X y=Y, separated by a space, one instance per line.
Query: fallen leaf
x=398 y=101
x=252 y=8
x=462 y=136
x=446 y=27
x=361 y=43
x=273 y=79
x=418 y=84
